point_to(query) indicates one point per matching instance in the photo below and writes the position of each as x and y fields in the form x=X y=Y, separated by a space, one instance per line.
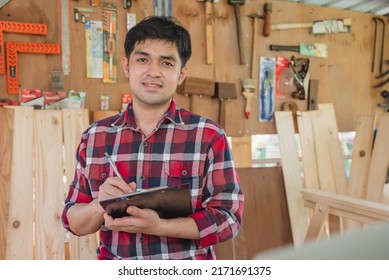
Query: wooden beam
x=379 y=161
x=49 y=189
x=291 y=169
x=344 y=206
x=20 y=219
x=75 y=121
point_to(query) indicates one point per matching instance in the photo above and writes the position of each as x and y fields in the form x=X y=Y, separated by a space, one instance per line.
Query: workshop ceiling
x=376 y=7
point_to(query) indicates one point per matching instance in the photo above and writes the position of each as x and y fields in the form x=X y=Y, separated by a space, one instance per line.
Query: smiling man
x=155 y=143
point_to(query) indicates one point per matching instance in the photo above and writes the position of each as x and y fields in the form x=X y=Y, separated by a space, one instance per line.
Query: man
x=155 y=143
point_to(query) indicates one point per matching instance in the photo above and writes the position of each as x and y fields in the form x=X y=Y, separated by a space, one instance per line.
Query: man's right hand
x=113 y=187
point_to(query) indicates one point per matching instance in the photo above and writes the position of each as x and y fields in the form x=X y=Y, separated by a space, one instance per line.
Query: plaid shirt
x=184 y=148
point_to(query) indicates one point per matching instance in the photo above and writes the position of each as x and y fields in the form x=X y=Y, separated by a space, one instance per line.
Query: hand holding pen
x=113 y=166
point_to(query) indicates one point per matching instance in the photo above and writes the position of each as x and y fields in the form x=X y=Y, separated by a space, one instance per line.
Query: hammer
x=236 y=4
x=209 y=30
x=255 y=18
x=267 y=9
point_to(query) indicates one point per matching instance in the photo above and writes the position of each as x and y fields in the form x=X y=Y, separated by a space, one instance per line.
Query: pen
x=113 y=166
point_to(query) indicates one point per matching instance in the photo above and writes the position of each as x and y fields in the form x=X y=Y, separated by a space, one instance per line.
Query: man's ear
x=183 y=73
x=126 y=69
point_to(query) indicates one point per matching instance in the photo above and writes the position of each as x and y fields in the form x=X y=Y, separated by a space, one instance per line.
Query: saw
x=314 y=49
x=318 y=27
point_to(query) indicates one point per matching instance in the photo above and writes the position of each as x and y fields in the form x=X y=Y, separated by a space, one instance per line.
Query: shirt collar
x=172 y=115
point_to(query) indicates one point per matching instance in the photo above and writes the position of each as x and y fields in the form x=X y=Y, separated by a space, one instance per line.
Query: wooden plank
x=49 y=188
x=323 y=156
x=316 y=225
x=356 y=208
x=379 y=161
x=335 y=149
x=329 y=156
x=385 y=194
x=361 y=156
x=6 y=137
x=75 y=121
x=20 y=220
x=291 y=171
x=308 y=153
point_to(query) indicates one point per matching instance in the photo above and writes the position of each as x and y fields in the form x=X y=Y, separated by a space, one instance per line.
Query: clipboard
x=168 y=202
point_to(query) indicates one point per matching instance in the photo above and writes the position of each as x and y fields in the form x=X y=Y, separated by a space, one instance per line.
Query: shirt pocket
x=182 y=170
x=96 y=174
x=187 y=172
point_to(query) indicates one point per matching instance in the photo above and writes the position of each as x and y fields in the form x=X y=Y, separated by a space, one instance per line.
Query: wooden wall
x=345 y=77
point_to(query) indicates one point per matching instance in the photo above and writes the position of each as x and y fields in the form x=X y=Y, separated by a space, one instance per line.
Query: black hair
x=161 y=28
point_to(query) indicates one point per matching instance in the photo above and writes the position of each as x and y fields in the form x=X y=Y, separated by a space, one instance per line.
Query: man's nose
x=155 y=69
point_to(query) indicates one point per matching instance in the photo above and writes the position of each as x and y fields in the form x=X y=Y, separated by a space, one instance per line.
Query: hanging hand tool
x=127 y=4
x=110 y=73
x=376 y=19
x=248 y=93
x=65 y=37
x=267 y=9
x=236 y=4
x=254 y=59
x=383 y=74
x=299 y=76
x=315 y=49
x=266 y=88
x=318 y=27
x=111 y=43
x=209 y=30
x=13 y=48
x=384 y=82
x=163 y=8
x=249 y=83
x=374 y=45
x=17 y=27
x=385 y=94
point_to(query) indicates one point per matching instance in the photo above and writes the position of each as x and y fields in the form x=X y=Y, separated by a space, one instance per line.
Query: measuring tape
x=65 y=37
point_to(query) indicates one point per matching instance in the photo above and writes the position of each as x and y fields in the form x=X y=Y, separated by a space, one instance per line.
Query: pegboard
x=344 y=78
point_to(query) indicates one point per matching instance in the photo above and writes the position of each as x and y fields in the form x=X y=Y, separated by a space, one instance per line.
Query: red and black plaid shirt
x=184 y=148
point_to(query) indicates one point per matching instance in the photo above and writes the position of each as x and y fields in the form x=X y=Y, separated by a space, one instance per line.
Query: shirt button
x=141 y=238
x=142 y=178
x=144 y=144
x=184 y=172
x=103 y=175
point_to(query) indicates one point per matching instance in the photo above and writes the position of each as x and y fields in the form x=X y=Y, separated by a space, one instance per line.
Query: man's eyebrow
x=166 y=57
x=169 y=57
x=141 y=53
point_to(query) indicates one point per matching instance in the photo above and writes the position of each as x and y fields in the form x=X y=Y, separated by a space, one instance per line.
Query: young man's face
x=154 y=72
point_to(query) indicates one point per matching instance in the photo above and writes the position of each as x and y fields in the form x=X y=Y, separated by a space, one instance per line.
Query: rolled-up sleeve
x=223 y=199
